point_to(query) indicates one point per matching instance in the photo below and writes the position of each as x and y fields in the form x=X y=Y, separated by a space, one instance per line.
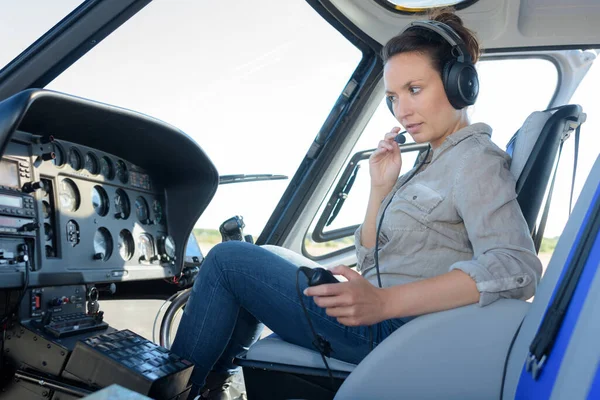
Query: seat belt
x=569 y=126
x=542 y=343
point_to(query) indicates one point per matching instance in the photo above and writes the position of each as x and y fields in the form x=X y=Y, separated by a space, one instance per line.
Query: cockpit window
x=419 y=6
x=252 y=87
x=23 y=22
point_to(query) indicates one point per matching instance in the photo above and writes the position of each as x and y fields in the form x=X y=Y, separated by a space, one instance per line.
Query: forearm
x=443 y=292
x=369 y=226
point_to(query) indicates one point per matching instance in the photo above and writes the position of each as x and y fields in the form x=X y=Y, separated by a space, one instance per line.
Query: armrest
x=455 y=354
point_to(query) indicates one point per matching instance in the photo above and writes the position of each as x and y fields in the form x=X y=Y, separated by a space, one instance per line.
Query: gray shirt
x=458 y=212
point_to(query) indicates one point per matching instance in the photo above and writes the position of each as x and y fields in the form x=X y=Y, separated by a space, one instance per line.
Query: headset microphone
x=400 y=138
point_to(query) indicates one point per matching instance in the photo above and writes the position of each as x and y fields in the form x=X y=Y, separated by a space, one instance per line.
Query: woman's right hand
x=385 y=162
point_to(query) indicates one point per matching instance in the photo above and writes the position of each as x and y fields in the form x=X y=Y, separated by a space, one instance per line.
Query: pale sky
x=252 y=83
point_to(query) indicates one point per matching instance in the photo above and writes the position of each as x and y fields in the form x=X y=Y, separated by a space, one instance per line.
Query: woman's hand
x=354 y=303
x=385 y=162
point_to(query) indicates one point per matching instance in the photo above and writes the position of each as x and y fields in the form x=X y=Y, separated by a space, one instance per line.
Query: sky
x=252 y=83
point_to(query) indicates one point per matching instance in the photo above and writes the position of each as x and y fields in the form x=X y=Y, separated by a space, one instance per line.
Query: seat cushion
x=273 y=349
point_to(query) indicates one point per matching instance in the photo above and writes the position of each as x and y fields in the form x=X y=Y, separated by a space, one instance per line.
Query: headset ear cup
x=462 y=85
x=450 y=83
x=390 y=105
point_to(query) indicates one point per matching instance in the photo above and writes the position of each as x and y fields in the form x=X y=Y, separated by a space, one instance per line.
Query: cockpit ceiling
x=500 y=24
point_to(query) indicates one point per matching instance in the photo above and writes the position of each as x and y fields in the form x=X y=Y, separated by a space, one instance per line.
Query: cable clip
x=322 y=346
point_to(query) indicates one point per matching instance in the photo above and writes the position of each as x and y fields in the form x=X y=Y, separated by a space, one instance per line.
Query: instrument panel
x=94 y=210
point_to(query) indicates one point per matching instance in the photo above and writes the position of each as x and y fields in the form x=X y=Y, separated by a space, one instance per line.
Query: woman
x=453 y=234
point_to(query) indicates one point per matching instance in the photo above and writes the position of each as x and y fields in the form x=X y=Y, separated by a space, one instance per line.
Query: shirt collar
x=462 y=134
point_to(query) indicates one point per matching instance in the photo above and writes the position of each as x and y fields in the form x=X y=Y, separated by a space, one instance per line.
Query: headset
x=459 y=75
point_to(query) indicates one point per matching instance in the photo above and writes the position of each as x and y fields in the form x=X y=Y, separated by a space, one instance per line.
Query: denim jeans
x=241 y=285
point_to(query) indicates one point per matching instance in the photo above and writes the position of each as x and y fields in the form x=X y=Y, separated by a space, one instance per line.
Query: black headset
x=459 y=74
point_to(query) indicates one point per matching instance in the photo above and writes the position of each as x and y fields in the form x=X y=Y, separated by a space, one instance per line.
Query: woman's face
x=419 y=100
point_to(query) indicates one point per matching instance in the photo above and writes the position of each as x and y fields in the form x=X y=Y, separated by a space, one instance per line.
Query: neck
x=461 y=123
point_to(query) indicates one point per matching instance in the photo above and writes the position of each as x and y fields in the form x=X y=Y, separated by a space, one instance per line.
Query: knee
x=224 y=254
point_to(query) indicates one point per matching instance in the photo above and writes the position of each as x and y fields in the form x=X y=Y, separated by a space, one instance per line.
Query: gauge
x=59 y=155
x=74 y=159
x=100 y=201
x=48 y=231
x=46 y=209
x=50 y=252
x=91 y=163
x=122 y=205
x=167 y=246
x=146 y=247
x=107 y=168
x=103 y=244
x=141 y=210
x=122 y=172
x=158 y=212
x=69 y=195
x=126 y=245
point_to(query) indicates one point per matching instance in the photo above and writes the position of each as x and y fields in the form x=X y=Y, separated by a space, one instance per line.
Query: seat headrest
x=521 y=144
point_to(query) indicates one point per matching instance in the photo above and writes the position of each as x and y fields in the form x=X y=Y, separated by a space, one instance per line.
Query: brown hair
x=431 y=43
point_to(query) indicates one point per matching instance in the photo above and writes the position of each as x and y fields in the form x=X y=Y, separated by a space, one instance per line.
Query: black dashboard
x=100 y=193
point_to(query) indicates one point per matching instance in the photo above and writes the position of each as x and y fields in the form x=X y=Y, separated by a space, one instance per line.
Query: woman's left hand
x=354 y=303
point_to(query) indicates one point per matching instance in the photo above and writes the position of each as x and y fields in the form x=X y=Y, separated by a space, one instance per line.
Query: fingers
x=332 y=289
x=346 y=272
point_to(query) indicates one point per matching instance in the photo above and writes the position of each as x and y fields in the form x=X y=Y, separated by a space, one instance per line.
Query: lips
x=413 y=128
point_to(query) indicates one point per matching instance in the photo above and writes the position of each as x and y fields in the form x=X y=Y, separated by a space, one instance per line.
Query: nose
x=403 y=108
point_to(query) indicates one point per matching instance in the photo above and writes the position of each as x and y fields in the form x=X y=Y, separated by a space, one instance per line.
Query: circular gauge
x=75 y=159
x=146 y=247
x=103 y=244
x=100 y=201
x=91 y=164
x=158 y=212
x=126 y=245
x=141 y=210
x=46 y=209
x=106 y=168
x=167 y=246
x=122 y=205
x=48 y=231
x=122 y=172
x=59 y=155
x=69 y=195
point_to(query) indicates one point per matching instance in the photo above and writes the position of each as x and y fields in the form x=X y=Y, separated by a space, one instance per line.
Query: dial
x=59 y=155
x=158 y=212
x=107 y=168
x=103 y=244
x=126 y=245
x=69 y=195
x=91 y=163
x=122 y=172
x=46 y=209
x=100 y=201
x=146 y=247
x=122 y=205
x=141 y=210
x=167 y=246
x=74 y=159
x=48 y=231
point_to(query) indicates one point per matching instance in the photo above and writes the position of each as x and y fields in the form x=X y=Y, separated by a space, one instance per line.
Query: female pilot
x=450 y=232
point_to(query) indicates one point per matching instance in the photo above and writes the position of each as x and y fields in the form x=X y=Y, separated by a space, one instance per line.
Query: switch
x=30 y=187
x=55 y=302
x=37 y=300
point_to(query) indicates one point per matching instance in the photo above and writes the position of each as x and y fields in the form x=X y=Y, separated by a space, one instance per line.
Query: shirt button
x=519 y=280
x=414 y=197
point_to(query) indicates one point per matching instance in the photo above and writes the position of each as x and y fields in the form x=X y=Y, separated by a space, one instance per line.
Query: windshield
x=250 y=82
x=24 y=21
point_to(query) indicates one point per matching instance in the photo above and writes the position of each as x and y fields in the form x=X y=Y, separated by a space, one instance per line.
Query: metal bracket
x=533 y=366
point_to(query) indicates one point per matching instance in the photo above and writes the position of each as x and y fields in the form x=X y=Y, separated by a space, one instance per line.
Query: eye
x=414 y=89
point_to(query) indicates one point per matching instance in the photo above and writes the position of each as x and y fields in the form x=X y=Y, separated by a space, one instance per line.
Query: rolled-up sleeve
x=504 y=263
x=365 y=257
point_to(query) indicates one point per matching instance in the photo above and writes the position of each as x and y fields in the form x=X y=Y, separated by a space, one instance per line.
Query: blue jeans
x=241 y=285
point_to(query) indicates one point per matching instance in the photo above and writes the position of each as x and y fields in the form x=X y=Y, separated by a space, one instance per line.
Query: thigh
x=270 y=288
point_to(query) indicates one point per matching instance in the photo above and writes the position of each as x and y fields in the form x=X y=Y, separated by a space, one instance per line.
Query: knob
x=30 y=187
x=46 y=139
x=55 y=302
x=48 y=156
x=99 y=256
